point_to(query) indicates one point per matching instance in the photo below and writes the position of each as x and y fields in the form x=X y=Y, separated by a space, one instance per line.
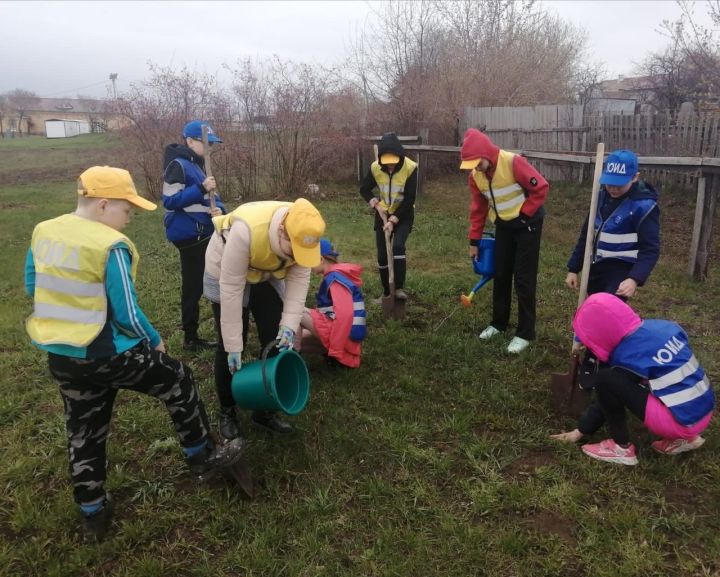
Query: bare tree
x=20 y=101
x=4 y=111
x=688 y=69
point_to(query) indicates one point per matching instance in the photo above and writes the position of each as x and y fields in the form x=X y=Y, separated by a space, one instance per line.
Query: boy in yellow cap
x=258 y=261
x=80 y=271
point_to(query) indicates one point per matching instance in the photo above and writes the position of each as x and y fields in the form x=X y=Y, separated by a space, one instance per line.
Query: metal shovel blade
x=240 y=472
x=388 y=306
x=567 y=397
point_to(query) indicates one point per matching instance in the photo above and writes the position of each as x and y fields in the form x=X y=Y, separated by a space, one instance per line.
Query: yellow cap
x=304 y=225
x=389 y=158
x=467 y=164
x=109 y=182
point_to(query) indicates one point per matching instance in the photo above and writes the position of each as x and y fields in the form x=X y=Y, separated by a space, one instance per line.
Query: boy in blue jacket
x=188 y=220
x=626 y=243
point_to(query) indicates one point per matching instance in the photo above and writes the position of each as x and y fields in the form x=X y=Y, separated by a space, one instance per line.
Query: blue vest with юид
x=325 y=305
x=192 y=221
x=659 y=352
x=616 y=237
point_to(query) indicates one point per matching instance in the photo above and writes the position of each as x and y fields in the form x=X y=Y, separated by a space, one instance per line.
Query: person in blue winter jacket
x=188 y=220
x=626 y=243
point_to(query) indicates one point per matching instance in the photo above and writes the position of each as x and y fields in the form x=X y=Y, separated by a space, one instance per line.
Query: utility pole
x=113 y=78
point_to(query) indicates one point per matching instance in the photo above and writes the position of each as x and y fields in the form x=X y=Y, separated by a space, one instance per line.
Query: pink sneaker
x=675 y=446
x=608 y=450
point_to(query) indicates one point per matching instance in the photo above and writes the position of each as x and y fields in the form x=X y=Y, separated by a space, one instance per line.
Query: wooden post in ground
x=421 y=158
x=702 y=227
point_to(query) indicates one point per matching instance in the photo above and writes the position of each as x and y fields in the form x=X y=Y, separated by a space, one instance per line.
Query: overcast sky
x=67 y=48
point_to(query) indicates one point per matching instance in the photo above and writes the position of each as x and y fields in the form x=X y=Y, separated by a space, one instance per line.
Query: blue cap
x=327 y=249
x=620 y=168
x=194 y=130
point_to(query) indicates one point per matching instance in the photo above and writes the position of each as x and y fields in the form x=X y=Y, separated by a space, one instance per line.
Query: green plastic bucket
x=280 y=383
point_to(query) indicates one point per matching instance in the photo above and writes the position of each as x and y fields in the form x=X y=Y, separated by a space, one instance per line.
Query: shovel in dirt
x=393 y=307
x=567 y=396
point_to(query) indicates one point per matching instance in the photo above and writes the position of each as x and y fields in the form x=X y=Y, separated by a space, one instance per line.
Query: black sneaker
x=198 y=344
x=271 y=422
x=206 y=463
x=95 y=527
x=228 y=423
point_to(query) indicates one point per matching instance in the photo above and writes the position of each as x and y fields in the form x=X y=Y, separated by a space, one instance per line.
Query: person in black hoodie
x=188 y=220
x=395 y=178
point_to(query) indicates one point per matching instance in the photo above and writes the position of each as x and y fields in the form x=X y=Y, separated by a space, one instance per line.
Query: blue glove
x=286 y=336
x=234 y=362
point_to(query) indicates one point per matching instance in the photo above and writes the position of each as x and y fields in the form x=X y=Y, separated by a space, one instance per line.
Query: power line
x=73 y=89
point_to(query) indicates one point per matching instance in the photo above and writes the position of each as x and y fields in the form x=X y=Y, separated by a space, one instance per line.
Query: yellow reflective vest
x=70 y=254
x=392 y=186
x=257 y=217
x=507 y=195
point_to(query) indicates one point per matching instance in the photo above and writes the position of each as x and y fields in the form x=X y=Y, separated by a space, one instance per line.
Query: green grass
x=431 y=459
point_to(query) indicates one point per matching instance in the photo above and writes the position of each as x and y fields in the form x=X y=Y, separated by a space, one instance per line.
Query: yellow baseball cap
x=110 y=182
x=468 y=164
x=304 y=225
x=389 y=158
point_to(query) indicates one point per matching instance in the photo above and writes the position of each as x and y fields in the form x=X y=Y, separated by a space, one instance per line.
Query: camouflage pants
x=88 y=389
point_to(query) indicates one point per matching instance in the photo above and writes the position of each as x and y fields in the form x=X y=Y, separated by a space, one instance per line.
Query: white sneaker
x=488 y=333
x=517 y=345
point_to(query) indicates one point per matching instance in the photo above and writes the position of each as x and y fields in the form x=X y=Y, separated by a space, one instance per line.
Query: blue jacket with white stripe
x=186 y=201
x=659 y=352
x=627 y=233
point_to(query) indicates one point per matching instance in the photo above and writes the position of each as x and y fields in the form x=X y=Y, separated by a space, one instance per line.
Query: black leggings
x=616 y=391
x=400 y=234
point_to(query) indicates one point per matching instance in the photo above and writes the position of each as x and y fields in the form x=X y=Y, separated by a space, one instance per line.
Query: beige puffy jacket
x=228 y=262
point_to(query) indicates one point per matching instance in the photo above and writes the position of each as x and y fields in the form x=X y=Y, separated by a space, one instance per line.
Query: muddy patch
x=552 y=523
x=10 y=205
x=526 y=465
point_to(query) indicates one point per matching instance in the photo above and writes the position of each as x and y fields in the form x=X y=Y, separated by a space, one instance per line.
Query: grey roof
x=60 y=105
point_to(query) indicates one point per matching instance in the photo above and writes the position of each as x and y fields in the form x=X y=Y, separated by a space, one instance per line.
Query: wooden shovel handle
x=208 y=167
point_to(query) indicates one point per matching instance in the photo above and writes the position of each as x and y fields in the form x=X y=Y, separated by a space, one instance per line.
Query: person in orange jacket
x=338 y=322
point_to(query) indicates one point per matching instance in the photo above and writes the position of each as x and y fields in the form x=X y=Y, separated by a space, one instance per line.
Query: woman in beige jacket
x=258 y=261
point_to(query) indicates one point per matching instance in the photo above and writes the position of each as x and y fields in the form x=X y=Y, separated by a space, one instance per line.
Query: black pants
x=266 y=307
x=517 y=255
x=89 y=388
x=616 y=390
x=400 y=234
x=192 y=268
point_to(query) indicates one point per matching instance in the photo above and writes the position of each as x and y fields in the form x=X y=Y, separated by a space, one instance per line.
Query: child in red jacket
x=337 y=325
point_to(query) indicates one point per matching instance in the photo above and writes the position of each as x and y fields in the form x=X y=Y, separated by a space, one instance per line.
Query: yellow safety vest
x=257 y=217
x=70 y=255
x=508 y=194
x=392 y=186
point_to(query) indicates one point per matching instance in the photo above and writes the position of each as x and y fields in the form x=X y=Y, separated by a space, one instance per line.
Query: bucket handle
x=263 y=359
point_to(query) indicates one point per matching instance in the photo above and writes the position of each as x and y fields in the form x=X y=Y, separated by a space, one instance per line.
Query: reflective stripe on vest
x=257 y=217
x=508 y=195
x=70 y=257
x=358 y=331
x=392 y=186
x=659 y=352
x=616 y=236
x=193 y=176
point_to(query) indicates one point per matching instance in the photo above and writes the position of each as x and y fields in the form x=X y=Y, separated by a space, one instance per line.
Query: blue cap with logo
x=620 y=168
x=327 y=249
x=193 y=129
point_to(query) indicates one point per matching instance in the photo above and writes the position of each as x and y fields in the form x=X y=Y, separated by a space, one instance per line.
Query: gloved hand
x=234 y=362
x=286 y=336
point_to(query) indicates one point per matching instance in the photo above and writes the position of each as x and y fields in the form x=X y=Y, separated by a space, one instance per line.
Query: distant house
x=96 y=113
x=615 y=96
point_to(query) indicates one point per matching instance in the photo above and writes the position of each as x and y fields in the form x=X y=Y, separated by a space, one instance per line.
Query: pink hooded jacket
x=602 y=321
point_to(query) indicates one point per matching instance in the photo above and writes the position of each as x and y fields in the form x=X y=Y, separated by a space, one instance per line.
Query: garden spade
x=566 y=394
x=393 y=308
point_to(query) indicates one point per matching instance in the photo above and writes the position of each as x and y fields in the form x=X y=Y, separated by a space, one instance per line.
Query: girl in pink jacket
x=336 y=326
x=650 y=371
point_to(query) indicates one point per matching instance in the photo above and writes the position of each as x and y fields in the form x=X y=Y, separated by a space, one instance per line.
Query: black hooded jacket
x=391 y=143
x=173 y=151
